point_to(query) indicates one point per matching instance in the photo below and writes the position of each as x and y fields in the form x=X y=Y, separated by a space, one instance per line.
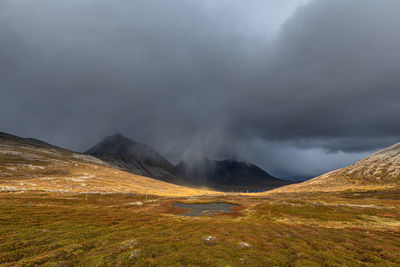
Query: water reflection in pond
x=206 y=208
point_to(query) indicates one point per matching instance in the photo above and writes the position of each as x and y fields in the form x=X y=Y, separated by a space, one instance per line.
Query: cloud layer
x=299 y=87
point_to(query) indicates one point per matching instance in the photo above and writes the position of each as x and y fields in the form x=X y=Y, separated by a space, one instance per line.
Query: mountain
x=228 y=175
x=378 y=170
x=28 y=164
x=135 y=157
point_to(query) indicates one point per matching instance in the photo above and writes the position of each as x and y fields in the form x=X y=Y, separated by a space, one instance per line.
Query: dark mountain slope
x=229 y=175
x=138 y=158
x=226 y=175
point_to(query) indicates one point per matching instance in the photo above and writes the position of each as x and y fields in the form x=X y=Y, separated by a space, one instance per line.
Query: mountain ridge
x=228 y=175
x=225 y=175
x=33 y=165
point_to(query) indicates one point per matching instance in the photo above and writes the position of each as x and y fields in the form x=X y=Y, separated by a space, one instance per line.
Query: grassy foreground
x=309 y=229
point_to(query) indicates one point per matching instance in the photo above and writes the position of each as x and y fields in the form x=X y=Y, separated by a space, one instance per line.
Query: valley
x=62 y=208
x=217 y=133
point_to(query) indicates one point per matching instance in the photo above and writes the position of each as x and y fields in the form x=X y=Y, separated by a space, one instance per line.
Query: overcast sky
x=298 y=87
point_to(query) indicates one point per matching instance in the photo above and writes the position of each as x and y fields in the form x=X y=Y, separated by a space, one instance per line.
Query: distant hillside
x=135 y=157
x=228 y=175
x=381 y=169
x=29 y=164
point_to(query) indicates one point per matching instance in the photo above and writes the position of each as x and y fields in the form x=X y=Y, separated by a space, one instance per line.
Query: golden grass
x=343 y=229
x=24 y=167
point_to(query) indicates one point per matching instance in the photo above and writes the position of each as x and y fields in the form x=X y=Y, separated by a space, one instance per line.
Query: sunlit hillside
x=379 y=171
x=27 y=164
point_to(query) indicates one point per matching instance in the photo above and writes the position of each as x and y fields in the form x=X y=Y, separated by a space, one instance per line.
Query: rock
x=210 y=240
x=244 y=245
x=128 y=244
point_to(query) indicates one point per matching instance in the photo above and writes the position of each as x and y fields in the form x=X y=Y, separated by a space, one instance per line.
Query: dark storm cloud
x=332 y=76
x=197 y=79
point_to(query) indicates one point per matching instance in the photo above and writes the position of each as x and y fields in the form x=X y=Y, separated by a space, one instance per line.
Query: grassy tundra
x=309 y=229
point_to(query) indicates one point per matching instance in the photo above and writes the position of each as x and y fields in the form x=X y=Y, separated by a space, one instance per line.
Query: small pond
x=213 y=208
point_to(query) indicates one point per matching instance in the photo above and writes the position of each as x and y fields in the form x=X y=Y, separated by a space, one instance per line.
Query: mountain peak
x=138 y=158
x=117 y=138
x=112 y=144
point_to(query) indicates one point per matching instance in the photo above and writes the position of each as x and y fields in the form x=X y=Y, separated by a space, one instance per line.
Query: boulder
x=244 y=245
x=210 y=240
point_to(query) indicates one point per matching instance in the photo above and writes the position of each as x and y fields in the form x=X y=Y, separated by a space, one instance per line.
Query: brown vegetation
x=331 y=229
x=59 y=208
